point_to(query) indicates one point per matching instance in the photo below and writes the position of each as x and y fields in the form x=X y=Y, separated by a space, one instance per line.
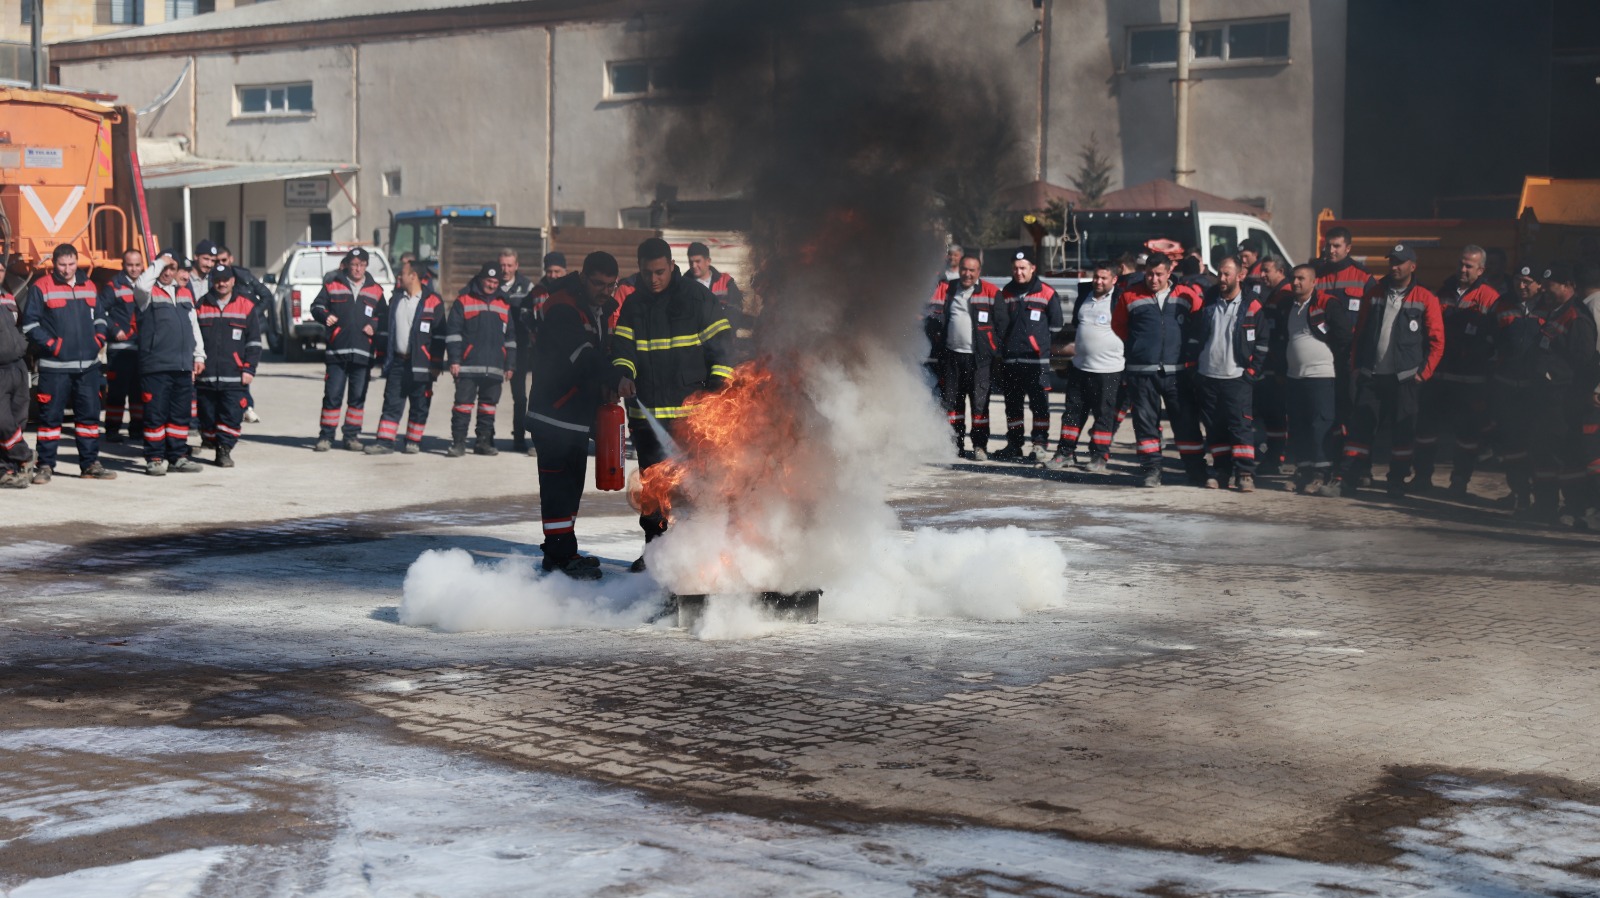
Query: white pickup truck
x=291 y=330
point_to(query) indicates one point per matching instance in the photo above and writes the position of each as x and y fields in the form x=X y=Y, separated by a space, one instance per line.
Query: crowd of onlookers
x=1262 y=368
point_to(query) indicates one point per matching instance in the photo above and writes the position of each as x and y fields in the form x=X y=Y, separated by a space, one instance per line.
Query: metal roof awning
x=198 y=173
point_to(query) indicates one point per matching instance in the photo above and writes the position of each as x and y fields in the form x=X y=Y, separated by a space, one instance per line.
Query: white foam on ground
x=408 y=820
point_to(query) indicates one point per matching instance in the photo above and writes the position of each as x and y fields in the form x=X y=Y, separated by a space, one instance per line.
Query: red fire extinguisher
x=610 y=436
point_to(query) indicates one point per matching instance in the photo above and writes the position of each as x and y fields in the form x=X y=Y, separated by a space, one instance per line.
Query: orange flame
x=733 y=443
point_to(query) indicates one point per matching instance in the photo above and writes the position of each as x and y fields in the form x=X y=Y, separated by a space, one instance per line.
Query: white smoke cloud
x=450 y=591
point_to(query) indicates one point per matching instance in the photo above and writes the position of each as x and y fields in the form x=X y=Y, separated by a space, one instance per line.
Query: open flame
x=734 y=443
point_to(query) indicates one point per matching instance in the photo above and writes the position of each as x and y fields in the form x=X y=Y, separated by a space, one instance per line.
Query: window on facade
x=182 y=9
x=1212 y=42
x=322 y=227
x=391 y=183
x=569 y=218
x=217 y=231
x=634 y=217
x=119 y=12
x=275 y=99
x=649 y=78
x=256 y=243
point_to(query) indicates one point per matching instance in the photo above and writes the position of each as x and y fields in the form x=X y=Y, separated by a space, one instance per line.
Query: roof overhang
x=199 y=173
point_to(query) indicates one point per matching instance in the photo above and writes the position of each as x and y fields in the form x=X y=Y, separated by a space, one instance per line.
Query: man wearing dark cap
x=204 y=259
x=63 y=321
x=1513 y=387
x=230 y=330
x=481 y=344
x=728 y=294
x=1346 y=280
x=250 y=287
x=1567 y=372
x=670 y=342
x=517 y=288
x=1399 y=340
x=355 y=313
x=1033 y=315
x=571 y=380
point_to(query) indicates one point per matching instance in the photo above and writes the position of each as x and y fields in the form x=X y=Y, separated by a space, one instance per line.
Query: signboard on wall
x=309 y=193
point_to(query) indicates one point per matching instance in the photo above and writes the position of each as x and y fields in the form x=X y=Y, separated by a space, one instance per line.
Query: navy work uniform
x=63 y=321
x=230 y=331
x=356 y=339
x=481 y=345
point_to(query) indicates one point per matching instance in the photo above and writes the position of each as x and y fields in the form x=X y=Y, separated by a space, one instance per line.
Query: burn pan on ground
x=796 y=607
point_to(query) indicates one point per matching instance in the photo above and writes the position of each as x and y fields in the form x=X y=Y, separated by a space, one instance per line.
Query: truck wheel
x=274 y=335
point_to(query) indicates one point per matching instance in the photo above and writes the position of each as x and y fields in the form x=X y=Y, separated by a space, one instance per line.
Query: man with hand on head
x=171 y=355
x=571 y=379
x=670 y=342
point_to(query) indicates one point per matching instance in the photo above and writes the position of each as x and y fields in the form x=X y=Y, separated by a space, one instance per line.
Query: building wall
x=68 y=19
x=463 y=117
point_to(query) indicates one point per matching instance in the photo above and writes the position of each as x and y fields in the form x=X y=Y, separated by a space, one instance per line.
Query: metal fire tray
x=798 y=607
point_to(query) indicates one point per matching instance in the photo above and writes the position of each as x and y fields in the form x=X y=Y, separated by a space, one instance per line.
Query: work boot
x=1348 y=486
x=1012 y=452
x=41 y=475
x=1245 y=483
x=352 y=444
x=980 y=455
x=638 y=566
x=577 y=567
x=13 y=480
x=1152 y=477
x=250 y=416
x=413 y=448
x=97 y=471
x=457 y=449
x=157 y=468
x=1212 y=483
x=1097 y=465
x=380 y=449
x=1458 y=489
x=323 y=446
x=485 y=447
x=185 y=466
x=1316 y=486
x=224 y=457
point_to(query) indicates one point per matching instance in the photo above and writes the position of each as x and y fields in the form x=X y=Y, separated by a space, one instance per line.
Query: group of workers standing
x=1262 y=366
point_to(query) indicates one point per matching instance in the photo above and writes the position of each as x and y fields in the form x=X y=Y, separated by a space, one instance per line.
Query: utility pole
x=1180 y=167
x=38 y=42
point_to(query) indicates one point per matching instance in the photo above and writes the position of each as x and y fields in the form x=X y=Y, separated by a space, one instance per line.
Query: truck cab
x=419 y=230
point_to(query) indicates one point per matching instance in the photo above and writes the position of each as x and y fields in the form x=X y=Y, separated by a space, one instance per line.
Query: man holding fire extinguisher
x=571 y=375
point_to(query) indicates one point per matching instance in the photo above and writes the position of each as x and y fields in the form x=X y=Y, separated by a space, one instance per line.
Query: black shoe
x=380 y=449
x=352 y=444
x=638 y=566
x=1152 y=478
x=323 y=446
x=1010 y=453
x=224 y=457
x=485 y=447
x=1096 y=465
x=97 y=471
x=577 y=567
x=519 y=445
x=41 y=476
x=457 y=449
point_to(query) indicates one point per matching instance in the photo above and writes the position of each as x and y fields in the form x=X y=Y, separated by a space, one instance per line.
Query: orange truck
x=1556 y=219
x=69 y=173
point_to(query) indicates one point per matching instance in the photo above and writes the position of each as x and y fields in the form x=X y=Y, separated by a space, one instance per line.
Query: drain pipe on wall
x=1180 y=164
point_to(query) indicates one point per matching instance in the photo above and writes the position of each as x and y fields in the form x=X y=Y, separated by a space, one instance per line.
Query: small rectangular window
x=1207 y=43
x=217 y=231
x=629 y=79
x=257 y=243
x=391 y=183
x=275 y=99
x=1153 y=47
x=118 y=12
x=569 y=218
x=1258 y=40
x=322 y=227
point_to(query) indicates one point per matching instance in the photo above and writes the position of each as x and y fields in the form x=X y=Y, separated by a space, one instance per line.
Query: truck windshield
x=420 y=236
x=1105 y=237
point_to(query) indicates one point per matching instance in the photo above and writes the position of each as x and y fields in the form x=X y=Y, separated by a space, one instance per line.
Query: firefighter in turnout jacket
x=352 y=308
x=571 y=378
x=63 y=321
x=122 y=353
x=1152 y=318
x=670 y=342
x=1513 y=390
x=1564 y=377
x=1094 y=385
x=963 y=318
x=1399 y=341
x=14 y=452
x=1033 y=315
x=1456 y=401
x=414 y=359
x=230 y=331
x=481 y=345
x=171 y=355
x=1226 y=343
